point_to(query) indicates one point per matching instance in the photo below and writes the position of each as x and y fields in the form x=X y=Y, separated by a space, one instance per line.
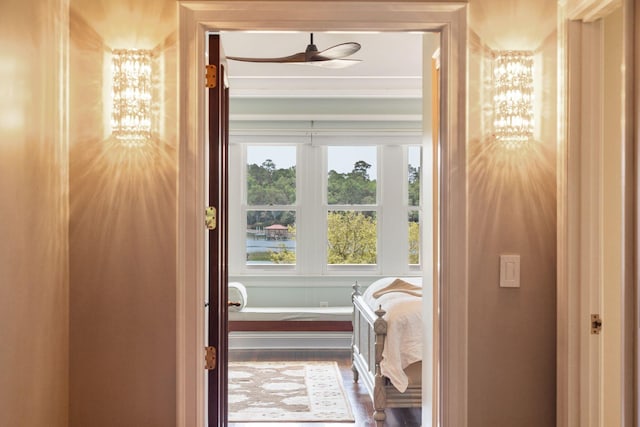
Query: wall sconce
x=513 y=98
x=131 y=115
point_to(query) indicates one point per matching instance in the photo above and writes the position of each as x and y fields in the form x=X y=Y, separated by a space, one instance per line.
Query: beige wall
x=33 y=216
x=512 y=206
x=122 y=244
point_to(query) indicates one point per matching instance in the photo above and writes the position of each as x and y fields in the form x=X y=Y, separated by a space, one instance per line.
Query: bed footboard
x=369 y=333
x=368 y=340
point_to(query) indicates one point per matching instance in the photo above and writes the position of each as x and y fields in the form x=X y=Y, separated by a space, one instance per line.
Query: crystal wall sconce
x=513 y=98
x=131 y=114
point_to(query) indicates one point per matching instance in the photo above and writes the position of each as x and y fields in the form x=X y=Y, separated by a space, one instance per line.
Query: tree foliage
x=414 y=243
x=267 y=185
x=352 y=188
x=283 y=255
x=414 y=186
x=351 y=237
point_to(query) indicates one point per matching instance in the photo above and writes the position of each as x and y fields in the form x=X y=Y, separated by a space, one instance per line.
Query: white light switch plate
x=509 y=271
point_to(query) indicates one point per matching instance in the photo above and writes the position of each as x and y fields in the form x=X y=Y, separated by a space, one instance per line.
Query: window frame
x=245 y=208
x=326 y=208
x=311 y=209
x=415 y=268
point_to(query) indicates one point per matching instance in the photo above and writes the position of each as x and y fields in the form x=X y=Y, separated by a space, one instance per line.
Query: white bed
x=387 y=343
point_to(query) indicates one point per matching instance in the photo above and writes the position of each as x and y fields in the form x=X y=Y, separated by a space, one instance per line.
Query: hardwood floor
x=360 y=401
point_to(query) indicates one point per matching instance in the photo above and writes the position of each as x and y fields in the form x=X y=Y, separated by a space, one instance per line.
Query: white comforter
x=403 y=344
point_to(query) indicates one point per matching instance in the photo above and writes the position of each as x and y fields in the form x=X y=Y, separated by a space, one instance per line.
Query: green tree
x=414 y=243
x=268 y=185
x=414 y=191
x=352 y=238
x=353 y=188
x=414 y=186
x=282 y=255
x=361 y=169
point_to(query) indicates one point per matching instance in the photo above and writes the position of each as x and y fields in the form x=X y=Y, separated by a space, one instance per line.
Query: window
x=352 y=205
x=414 y=166
x=352 y=237
x=325 y=209
x=270 y=205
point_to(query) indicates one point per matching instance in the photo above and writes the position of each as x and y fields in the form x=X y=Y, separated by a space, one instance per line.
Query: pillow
x=237 y=293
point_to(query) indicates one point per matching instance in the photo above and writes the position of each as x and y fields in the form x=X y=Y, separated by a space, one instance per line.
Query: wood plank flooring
x=360 y=401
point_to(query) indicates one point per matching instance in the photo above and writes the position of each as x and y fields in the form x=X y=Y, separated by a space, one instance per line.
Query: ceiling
x=391 y=65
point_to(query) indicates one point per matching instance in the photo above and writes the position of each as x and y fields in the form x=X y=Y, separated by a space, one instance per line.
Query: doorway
x=310 y=145
x=450 y=21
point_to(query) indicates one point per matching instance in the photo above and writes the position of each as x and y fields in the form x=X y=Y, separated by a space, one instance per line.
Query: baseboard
x=289 y=340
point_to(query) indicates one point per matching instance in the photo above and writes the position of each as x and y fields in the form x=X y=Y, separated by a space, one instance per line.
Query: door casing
x=450 y=21
x=580 y=221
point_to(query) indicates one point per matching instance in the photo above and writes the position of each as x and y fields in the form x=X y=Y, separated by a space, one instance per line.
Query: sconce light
x=513 y=98
x=131 y=115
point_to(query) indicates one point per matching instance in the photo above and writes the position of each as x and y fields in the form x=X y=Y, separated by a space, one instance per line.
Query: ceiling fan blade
x=336 y=52
x=296 y=57
x=334 y=63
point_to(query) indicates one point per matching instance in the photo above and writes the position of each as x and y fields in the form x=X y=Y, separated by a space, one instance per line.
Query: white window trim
x=415 y=268
x=241 y=226
x=392 y=208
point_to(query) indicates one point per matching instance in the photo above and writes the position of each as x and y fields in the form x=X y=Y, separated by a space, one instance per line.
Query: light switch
x=509 y=271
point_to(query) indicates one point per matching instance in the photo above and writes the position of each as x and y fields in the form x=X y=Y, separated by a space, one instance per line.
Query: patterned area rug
x=287 y=391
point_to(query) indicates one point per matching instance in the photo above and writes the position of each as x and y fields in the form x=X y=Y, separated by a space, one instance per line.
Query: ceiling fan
x=333 y=57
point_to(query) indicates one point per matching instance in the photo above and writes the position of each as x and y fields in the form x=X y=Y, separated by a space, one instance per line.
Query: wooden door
x=218 y=135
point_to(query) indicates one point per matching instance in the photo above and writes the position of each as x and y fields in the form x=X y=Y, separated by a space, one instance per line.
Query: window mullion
x=237 y=205
x=394 y=233
x=310 y=208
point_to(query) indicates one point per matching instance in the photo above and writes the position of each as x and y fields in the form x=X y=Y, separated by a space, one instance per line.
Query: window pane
x=352 y=175
x=415 y=169
x=271 y=237
x=271 y=175
x=414 y=237
x=352 y=237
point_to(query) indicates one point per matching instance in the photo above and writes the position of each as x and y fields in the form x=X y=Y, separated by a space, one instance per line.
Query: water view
x=262 y=245
x=273 y=250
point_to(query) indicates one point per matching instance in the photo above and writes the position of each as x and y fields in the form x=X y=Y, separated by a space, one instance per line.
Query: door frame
x=447 y=19
x=579 y=391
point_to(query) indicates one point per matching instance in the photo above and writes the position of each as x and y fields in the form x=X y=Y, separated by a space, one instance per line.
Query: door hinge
x=596 y=324
x=210 y=217
x=210 y=358
x=212 y=76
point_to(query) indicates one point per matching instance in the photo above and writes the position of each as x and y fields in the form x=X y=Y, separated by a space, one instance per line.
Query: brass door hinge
x=210 y=358
x=212 y=76
x=596 y=324
x=210 y=218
